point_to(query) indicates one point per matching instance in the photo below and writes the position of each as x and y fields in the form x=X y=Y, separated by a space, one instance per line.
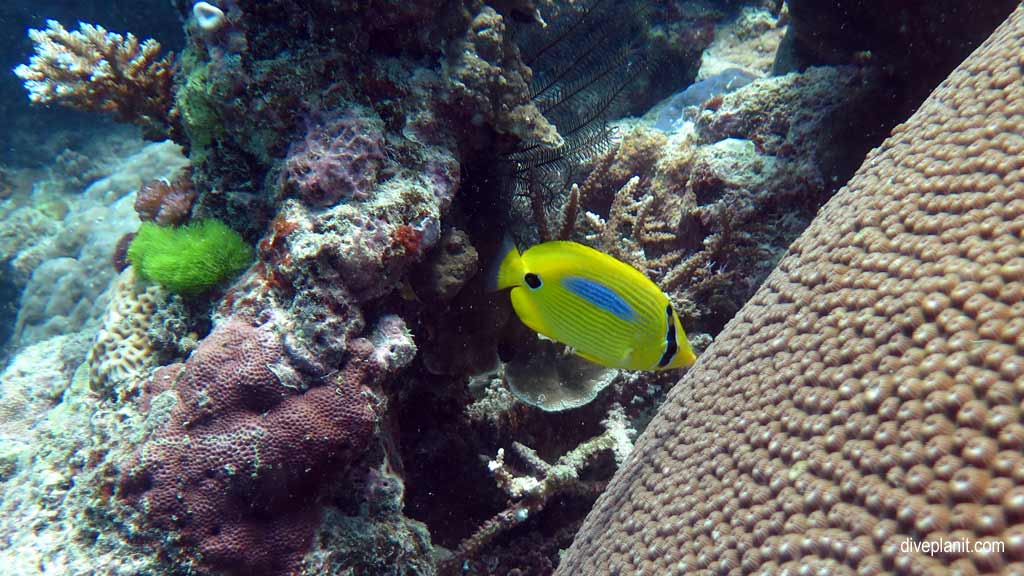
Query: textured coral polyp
x=237 y=468
x=338 y=158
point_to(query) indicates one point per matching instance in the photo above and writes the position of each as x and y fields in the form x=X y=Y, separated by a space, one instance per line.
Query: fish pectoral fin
x=588 y=357
x=627 y=356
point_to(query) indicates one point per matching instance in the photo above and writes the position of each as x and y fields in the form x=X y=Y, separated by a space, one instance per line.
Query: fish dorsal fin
x=506 y=270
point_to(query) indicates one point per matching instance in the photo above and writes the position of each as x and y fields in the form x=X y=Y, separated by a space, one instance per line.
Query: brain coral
x=122 y=350
x=871 y=391
x=241 y=448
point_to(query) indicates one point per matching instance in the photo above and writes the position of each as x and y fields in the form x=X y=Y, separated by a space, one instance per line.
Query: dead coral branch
x=531 y=491
x=95 y=70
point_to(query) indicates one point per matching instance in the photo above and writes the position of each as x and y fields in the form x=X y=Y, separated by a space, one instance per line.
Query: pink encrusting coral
x=243 y=444
x=339 y=157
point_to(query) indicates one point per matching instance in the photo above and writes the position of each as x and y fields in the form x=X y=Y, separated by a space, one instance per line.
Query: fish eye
x=532 y=280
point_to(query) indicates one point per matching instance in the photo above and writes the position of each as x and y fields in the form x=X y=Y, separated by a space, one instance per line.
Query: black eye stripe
x=532 y=280
x=670 y=339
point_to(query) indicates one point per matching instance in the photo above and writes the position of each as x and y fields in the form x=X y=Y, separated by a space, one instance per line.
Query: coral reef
x=288 y=423
x=23 y=228
x=547 y=376
x=53 y=502
x=824 y=114
x=869 y=392
x=366 y=545
x=246 y=443
x=685 y=103
x=688 y=208
x=486 y=75
x=748 y=41
x=96 y=70
x=55 y=300
x=166 y=202
x=119 y=259
x=337 y=158
x=448 y=267
x=188 y=259
x=76 y=251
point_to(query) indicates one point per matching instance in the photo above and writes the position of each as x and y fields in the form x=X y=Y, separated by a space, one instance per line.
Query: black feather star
x=582 y=66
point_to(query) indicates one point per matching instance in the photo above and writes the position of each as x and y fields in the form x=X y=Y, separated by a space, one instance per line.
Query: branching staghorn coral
x=95 y=70
x=637 y=204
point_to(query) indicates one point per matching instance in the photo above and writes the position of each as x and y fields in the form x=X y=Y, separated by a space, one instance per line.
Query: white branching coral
x=531 y=489
x=95 y=70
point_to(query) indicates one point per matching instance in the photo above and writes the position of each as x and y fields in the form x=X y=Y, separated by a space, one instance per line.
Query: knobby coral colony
x=344 y=157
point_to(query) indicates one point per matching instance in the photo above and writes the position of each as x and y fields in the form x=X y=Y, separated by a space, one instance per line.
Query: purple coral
x=338 y=158
x=238 y=467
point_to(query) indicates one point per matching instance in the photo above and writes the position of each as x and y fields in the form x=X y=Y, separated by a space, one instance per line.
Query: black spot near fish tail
x=670 y=340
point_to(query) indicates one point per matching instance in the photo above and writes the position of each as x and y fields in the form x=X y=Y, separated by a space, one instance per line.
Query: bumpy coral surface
x=247 y=444
x=870 y=392
x=122 y=350
x=337 y=158
x=452 y=263
x=486 y=74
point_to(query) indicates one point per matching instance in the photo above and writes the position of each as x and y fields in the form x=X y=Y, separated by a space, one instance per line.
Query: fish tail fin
x=686 y=355
x=507 y=269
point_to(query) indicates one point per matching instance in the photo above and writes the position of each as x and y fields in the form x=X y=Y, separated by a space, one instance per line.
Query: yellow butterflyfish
x=606 y=310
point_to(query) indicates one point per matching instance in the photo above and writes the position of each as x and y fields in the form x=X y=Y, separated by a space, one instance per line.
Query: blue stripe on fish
x=599 y=295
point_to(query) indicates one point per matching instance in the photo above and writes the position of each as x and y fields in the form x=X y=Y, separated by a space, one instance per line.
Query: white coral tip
x=208 y=16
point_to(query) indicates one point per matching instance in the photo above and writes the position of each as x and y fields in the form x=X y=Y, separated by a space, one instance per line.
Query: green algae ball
x=189 y=259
